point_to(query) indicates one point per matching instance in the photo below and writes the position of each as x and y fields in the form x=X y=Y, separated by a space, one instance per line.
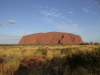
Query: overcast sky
x=23 y=17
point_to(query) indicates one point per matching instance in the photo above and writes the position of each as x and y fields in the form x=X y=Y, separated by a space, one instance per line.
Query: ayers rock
x=51 y=38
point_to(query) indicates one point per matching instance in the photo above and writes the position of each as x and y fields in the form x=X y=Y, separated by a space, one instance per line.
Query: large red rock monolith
x=51 y=38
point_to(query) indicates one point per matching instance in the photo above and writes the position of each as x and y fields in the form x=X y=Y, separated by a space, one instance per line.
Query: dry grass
x=13 y=54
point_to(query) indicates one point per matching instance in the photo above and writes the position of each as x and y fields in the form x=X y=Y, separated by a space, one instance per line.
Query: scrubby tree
x=96 y=43
x=85 y=43
x=91 y=43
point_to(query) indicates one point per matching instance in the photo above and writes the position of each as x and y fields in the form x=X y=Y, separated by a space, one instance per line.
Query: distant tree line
x=91 y=43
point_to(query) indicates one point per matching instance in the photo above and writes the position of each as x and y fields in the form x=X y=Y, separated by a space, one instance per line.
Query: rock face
x=51 y=38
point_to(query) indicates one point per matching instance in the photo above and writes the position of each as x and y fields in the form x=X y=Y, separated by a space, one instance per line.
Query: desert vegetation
x=50 y=59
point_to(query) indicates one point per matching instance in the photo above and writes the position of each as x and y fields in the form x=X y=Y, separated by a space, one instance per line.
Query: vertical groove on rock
x=53 y=38
x=60 y=39
x=44 y=38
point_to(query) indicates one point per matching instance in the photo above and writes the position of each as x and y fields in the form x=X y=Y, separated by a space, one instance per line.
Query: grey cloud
x=51 y=14
x=97 y=3
x=50 y=17
x=71 y=12
x=12 y=21
x=69 y=20
x=72 y=28
x=59 y=21
x=0 y=24
x=82 y=29
x=49 y=20
x=85 y=9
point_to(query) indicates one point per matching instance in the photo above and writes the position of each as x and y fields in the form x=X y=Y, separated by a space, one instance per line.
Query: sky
x=24 y=17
